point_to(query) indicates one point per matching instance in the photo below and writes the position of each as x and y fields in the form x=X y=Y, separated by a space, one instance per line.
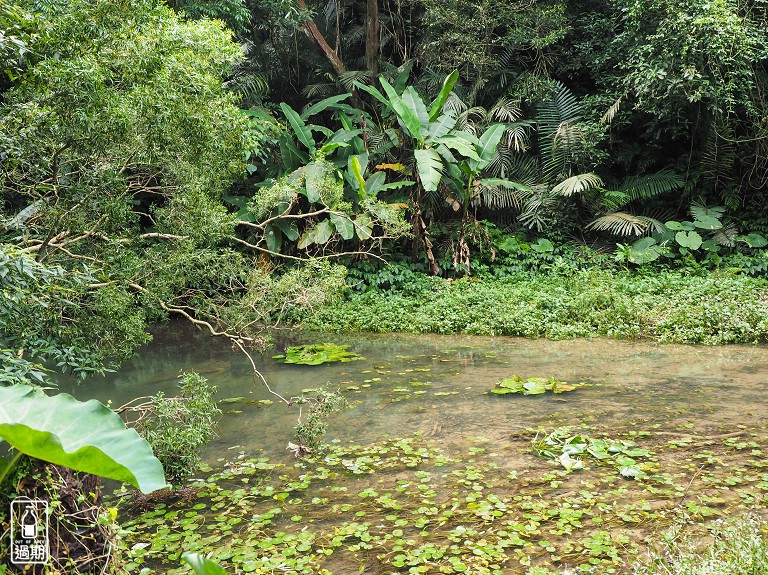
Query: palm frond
x=454 y=105
x=558 y=132
x=348 y=78
x=620 y=224
x=321 y=90
x=521 y=168
x=517 y=136
x=611 y=112
x=726 y=236
x=538 y=204
x=501 y=198
x=651 y=185
x=506 y=110
x=578 y=184
x=251 y=86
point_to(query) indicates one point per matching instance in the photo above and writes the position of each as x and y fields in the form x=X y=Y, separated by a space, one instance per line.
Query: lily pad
x=533 y=386
x=317 y=353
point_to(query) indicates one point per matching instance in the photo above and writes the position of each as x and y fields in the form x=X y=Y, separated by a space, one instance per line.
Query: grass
x=738 y=548
x=667 y=306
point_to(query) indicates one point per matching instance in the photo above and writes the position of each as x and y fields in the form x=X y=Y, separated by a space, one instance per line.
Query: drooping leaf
x=331 y=146
x=398 y=185
x=306 y=240
x=322 y=232
x=429 y=165
x=402 y=77
x=274 y=238
x=357 y=172
x=394 y=167
x=344 y=226
x=375 y=93
x=302 y=131
x=375 y=184
x=314 y=176
x=84 y=436
x=323 y=105
x=459 y=145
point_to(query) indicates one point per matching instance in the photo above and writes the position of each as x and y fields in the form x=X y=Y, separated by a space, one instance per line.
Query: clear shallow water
x=436 y=385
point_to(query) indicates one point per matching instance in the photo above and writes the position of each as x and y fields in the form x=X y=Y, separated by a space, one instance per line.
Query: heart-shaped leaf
x=84 y=436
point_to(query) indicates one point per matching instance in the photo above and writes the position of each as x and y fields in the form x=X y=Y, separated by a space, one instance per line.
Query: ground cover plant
x=316 y=353
x=670 y=307
x=408 y=505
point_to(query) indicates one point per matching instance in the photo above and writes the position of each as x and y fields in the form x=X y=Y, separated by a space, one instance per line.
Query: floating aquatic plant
x=317 y=353
x=570 y=450
x=533 y=386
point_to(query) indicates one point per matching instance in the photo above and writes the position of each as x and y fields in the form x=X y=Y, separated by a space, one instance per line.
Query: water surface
x=437 y=385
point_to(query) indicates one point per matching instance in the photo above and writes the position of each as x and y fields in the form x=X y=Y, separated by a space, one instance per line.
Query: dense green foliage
x=556 y=168
x=738 y=547
x=667 y=306
x=177 y=428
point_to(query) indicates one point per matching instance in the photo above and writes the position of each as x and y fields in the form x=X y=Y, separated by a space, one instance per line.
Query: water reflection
x=437 y=385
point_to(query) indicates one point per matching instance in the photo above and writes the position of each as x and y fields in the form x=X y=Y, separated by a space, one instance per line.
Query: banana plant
x=441 y=151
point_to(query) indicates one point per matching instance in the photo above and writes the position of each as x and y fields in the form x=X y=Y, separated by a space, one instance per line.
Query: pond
x=428 y=472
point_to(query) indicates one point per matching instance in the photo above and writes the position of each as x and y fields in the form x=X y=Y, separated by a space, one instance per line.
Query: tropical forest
x=384 y=287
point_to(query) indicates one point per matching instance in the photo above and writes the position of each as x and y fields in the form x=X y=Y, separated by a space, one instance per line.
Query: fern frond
x=651 y=185
x=578 y=184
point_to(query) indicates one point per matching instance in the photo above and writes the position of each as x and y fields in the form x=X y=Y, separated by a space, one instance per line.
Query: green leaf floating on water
x=533 y=386
x=317 y=353
x=82 y=435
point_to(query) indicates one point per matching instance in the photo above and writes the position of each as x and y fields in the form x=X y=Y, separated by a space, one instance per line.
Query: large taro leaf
x=84 y=436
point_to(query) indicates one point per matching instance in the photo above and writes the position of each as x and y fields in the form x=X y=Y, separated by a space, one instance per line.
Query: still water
x=438 y=386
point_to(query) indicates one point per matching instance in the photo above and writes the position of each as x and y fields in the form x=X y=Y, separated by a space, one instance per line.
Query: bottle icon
x=29 y=522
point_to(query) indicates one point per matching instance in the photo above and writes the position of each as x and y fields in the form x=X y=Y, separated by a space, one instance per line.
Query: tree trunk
x=313 y=33
x=372 y=41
